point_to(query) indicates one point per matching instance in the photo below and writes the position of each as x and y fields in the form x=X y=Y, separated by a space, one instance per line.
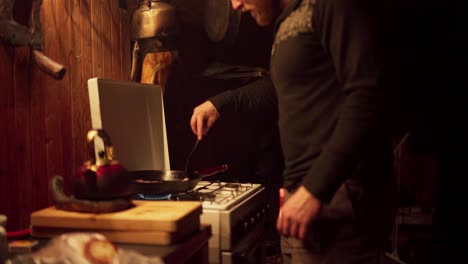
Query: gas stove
x=214 y=195
x=219 y=195
x=236 y=213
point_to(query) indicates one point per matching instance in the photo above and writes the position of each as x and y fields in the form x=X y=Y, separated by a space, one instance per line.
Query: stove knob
x=252 y=220
x=238 y=230
x=246 y=225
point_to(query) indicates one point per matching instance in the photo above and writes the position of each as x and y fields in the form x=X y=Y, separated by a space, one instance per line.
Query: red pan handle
x=207 y=172
x=19 y=233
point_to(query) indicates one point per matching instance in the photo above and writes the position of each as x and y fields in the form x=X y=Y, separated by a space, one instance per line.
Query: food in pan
x=158 y=181
x=147 y=181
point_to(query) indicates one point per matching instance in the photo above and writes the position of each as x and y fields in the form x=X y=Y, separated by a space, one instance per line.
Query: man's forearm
x=258 y=96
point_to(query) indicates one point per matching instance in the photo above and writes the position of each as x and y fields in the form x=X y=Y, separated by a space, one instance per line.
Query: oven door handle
x=246 y=250
x=248 y=253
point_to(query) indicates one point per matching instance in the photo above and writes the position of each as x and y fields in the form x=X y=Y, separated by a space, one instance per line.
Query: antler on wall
x=19 y=35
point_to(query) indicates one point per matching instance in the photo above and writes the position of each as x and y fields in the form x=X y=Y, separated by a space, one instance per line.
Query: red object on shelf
x=19 y=233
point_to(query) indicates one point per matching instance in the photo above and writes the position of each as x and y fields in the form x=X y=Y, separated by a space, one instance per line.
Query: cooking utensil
x=187 y=161
x=156 y=182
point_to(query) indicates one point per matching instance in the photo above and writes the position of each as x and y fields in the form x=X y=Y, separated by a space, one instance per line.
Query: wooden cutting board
x=124 y=236
x=165 y=216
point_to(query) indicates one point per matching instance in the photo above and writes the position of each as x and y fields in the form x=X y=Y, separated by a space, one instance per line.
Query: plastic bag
x=83 y=248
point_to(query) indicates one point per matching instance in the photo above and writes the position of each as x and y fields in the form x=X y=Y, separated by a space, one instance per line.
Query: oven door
x=250 y=249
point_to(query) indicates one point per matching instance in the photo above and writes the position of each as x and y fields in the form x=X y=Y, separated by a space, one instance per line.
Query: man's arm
x=258 y=96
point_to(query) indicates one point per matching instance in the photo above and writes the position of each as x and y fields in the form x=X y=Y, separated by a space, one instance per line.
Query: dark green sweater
x=325 y=84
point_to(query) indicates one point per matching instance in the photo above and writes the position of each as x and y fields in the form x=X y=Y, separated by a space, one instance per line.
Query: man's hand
x=297 y=213
x=203 y=118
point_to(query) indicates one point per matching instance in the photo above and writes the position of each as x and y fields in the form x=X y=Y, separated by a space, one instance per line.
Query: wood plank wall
x=43 y=121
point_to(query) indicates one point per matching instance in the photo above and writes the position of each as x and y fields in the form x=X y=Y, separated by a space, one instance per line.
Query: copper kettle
x=102 y=177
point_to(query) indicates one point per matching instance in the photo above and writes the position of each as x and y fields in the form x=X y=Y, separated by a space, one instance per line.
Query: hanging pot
x=221 y=22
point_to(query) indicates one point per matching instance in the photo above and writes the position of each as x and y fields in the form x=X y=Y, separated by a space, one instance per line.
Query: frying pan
x=157 y=182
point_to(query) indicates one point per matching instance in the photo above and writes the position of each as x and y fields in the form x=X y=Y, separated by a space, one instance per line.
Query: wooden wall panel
x=115 y=34
x=106 y=31
x=43 y=121
x=53 y=140
x=22 y=136
x=62 y=16
x=87 y=65
x=7 y=159
x=126 y=50
x=21 y=126
x=39 y=176
x=96 y=38
x=39 y=173
x=77 y=81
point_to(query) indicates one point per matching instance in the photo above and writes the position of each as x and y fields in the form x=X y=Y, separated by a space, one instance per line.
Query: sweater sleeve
x=347 y=37
x=257 y=96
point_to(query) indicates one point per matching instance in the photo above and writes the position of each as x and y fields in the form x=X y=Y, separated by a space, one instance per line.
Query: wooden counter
x=192 y=250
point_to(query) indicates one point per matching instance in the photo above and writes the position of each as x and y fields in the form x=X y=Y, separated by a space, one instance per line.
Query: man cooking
x=326 y=84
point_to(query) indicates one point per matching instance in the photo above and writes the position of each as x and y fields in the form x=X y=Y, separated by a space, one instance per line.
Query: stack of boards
x=148 y=222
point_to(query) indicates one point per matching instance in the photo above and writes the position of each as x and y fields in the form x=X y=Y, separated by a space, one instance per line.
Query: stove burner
x=194 y=196
x=232 y=186
x=214 y=195
x=155 y=197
